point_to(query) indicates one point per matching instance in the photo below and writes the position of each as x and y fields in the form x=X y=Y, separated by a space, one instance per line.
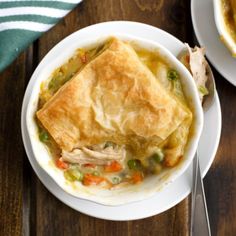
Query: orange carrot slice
x=61 y=164
x=89 y=165
x=137 y=177
x=115 y=166
x=90 y=179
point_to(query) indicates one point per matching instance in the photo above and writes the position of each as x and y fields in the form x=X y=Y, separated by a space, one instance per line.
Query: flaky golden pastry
x=114 y=98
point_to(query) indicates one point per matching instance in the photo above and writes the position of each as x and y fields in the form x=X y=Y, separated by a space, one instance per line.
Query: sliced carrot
x=115 y=166
x=90 y=179
x=137 y=177
x=89 y=165
x=61 y=164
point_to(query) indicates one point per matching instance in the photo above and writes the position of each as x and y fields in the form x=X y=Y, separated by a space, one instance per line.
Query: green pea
x=134 y=164
x=77 y=174
x=43 y=136
x=172 y=75
x=116 y=180
x=73 y=174
x=69 y=177
x=109 y=144
x=158 y=156
x=96 y=173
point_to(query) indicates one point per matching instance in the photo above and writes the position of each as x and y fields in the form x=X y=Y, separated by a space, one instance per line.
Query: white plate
x=170 y=195
x=205 y=29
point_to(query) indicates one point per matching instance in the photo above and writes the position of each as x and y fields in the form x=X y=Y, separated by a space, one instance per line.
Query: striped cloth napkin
x=21 y=22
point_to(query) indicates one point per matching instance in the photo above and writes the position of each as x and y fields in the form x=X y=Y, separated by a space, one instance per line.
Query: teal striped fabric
x=21 y=22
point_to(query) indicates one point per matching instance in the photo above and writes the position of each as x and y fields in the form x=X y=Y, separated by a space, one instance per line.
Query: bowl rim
x=172 y=58
x=225 y=37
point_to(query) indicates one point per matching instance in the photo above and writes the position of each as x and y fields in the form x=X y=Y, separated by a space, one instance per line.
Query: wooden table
x=26 y=207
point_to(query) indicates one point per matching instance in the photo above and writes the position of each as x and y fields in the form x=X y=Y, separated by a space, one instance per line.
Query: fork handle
x=199 y=215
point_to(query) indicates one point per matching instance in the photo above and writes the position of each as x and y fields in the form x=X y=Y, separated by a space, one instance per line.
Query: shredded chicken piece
x=195 y=61
x=97 y=157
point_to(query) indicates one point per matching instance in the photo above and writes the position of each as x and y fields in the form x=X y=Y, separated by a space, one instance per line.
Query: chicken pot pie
x=113 y=115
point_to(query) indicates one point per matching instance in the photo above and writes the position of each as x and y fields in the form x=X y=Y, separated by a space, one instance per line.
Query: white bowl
x=59 y=55
x=225 y=36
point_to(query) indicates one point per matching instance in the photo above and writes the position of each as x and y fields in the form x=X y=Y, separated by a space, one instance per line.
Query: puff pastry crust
x=115 y=97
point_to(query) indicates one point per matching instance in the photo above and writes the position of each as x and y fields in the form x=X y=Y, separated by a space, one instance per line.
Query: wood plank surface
x=26 y=206
x=11 y=159
x=220 y=181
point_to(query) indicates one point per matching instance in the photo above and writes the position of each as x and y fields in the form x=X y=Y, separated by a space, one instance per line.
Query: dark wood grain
x=221 y=179
x=12 y=85
x=26 y=206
